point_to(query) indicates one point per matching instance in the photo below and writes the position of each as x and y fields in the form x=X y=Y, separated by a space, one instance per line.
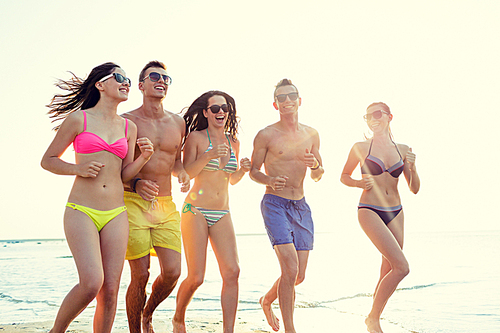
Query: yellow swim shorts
x=152 y=223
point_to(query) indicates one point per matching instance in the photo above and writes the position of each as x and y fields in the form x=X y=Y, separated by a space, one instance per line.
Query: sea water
x=452 y=285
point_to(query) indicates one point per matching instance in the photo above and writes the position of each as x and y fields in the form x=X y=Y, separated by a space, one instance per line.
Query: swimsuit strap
x=370 y=150
x=209 y=141
x=126 y=128
x=228 y=141
x=187 y=208
x=84 y=121
x=395 y=145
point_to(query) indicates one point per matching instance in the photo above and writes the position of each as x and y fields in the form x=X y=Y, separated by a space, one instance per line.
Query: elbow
x=45 y=163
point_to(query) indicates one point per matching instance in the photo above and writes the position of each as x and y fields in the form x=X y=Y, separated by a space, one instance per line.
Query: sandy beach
x=306 y=321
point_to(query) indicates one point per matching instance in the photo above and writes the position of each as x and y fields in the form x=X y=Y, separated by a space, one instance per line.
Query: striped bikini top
x=214 y=164
x=374 y=166
x=88 y=142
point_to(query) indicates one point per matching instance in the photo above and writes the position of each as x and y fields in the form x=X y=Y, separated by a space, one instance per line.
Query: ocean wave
x=8 y=298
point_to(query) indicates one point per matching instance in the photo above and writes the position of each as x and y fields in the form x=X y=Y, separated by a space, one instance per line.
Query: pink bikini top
x=88 y=143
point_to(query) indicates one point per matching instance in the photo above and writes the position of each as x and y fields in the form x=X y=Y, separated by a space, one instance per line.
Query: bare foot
x=179 y=327
x=271 y=318
x=147 y=324
x=373 y=325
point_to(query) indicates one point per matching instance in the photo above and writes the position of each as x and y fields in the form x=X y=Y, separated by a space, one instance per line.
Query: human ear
x=275 y=105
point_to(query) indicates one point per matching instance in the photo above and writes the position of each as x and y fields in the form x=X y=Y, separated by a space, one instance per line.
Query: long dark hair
x=196 y=121
x=82 y=94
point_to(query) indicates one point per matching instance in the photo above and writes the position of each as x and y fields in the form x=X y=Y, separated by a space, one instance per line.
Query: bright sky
x=436 y=64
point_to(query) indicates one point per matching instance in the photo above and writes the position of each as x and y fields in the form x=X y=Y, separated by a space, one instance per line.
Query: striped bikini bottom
x=212 y=216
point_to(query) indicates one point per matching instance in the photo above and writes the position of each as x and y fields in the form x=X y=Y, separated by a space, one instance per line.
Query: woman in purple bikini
x=380 y=213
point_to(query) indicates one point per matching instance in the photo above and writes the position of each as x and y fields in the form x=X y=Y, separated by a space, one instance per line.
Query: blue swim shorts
x=288 y=221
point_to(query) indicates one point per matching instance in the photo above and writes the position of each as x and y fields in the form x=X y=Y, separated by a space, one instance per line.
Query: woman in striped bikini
x=380 y=213
x=210 y=157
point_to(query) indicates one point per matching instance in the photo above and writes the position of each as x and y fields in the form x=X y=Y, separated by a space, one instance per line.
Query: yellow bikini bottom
x=99 y=217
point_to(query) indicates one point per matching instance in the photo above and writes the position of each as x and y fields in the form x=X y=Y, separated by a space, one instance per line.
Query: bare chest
x=166 y=137
x=289 y=147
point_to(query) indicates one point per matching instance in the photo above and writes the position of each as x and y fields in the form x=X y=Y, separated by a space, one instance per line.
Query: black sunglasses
x=118 y=77
x=155 y=77
x=215 y=108
x=282 y=97
x=375 y=115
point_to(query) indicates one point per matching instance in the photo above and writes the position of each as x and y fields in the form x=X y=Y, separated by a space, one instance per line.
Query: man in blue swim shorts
x=286 y=149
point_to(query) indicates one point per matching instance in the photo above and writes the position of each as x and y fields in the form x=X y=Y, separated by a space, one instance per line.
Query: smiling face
x=218 y=119
x=288 y=106
x=381 y=124
x=156 y=89
x=114 y=89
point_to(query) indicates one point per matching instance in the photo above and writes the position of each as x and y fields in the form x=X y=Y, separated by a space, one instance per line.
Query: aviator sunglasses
x=375 y=115
x=282 y=97
x=118 y=77
x=155 y=77
x=215 y=108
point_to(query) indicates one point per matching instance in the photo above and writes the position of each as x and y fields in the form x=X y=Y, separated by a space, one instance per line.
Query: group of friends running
x=120 y=206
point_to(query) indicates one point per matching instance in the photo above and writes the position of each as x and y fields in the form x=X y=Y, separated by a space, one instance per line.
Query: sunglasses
x=282 y=97
x=155 y=77
x=215 y=108
x=118 y=77
x=375 y=115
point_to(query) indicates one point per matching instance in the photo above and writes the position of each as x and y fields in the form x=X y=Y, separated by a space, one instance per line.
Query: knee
x=171 y=274
x=402 y=270
x=290 y=273
x=231 y=274
x=300 y=278
x=109 y=293
x=140 y=278
x=91 y=287
x=195 y=281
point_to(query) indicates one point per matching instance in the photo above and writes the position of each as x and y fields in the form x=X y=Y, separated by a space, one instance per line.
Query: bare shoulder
x=403 y=148
x=176 y=118
x=361 y=147
x=196 y=137
x=130 y=115
x=267 y=133
x=74 y=121
x=311 y=131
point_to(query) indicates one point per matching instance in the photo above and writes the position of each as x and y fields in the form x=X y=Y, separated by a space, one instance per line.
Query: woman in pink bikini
x=380 y=213
x=95 y=222
x=211 y=158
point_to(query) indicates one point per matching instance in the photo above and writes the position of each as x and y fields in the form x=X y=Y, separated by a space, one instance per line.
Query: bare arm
x=410 y=172
x=130 y=168
x=178 y=170
x=51 y=160
x=352 y=161
x=244 y=165
x=258 y=158
x=313 y=159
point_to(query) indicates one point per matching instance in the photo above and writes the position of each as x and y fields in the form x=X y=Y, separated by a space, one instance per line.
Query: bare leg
x=194 y=232
x=388 y=240
x=170 y=265
x=266 y=303
x=267 y=300
x=223 y=243
x=114 y=238
x=136 y=292
x=83 y=241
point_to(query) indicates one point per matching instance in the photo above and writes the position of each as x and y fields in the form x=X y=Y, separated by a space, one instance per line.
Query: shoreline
x=318 y=320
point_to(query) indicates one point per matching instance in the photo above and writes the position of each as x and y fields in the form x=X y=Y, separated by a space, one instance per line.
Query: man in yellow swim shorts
x=153 y=218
